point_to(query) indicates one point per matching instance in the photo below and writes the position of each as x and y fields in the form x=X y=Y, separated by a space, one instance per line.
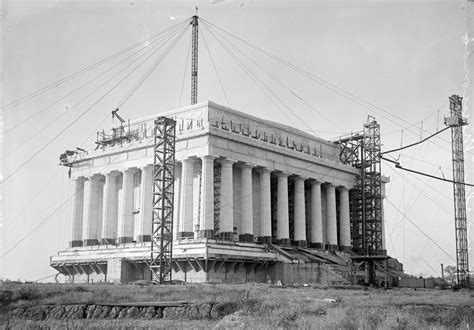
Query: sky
x=398 y=61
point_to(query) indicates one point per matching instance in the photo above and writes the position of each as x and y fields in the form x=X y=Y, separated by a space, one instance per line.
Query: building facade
x=248 y=193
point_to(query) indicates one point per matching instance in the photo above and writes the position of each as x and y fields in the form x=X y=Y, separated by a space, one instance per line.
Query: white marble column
x=283 y=225
x=186 y=200
x=316 y=216
x=177 y=201
x=78 y=213
x=344 y=219
x=146 y=205
x=246 y=204
x=226 y=226
x=331 y=232
x=93 y=208
x=110 y=216
x=125 y=222
x=265 y=206
x=206 y=225
x=300 y=214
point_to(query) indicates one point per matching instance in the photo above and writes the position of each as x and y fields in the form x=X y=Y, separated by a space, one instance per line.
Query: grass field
x=260 y=306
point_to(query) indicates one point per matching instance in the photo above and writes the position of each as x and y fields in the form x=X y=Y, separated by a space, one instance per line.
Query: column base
x=247 y=238
x=90 y=242
x=264 y=239
x=226 y=236
x=283 y=241
x=125 y=239
x=107 y=241
x=75 y=243
x=345 y=248
x=333 y=247
x=185 y=234
x=316 y=245
x=206 y=233
x=301 y=243
x=143 y=238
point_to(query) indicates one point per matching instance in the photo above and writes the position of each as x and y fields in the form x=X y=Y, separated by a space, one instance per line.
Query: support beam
x=265 y=207
x=331 y=216
x=316 y=216
x=345 y=225
x=78 y=213
x=146 y=206
x=125 y=223
x=186 y=198
x=283 y=216
x=227 y=200
x=300 y=213
x=206 y=225
x=110 y=216
x=93 y=210
x=247 y=204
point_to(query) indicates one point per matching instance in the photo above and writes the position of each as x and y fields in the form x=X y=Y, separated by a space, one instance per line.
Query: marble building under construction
x=254 y=200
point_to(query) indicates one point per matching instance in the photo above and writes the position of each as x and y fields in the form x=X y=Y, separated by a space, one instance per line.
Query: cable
x=284 y=86
x=271 y=76
x=215 y=68
x=185 y=71
x=70 y=124
x=421 y=230
x=416 y=143
x=253 y=76
x=323 y=82
x=397 y=165
x=80 y=72
x=82 y=86
x=50 y=215
x=43 y=278
x=147 y=73
x=91 y=93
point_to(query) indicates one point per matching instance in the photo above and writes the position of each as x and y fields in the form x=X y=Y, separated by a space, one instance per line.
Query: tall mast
x=194 y=61
x=456 y=122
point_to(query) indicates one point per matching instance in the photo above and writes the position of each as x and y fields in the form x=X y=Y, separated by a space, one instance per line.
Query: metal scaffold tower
x=456 y=122
x=163 y=199
x=194 y=60
x=362 y=150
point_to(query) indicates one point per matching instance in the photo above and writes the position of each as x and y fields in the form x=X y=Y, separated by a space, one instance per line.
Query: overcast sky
x=400 y=59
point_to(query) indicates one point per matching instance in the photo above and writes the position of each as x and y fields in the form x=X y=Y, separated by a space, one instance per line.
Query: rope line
x=80 y=72
x=72 y=123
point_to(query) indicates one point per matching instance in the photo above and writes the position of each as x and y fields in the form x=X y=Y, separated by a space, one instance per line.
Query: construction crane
x=362 y=150
x=456 y=121
x=161 y=248
x=115 y=114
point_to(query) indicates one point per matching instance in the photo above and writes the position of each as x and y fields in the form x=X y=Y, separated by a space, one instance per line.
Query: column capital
x=245 y=165
x=315 y=182
x=189 y=160
x=207 y=157
x=226 y=161
x=130 y=170
x=264 y=170
x=113 y=173
x=282 y=174
x=343 y=188
x=97 y=178
x=299 y=178
x=81 y=179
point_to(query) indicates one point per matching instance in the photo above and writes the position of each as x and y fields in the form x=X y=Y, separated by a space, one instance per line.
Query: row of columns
x=101 y=217
x=206 y=215
x=104 y=216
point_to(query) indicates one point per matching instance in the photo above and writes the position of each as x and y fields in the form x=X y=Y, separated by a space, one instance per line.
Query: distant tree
x=450 y=274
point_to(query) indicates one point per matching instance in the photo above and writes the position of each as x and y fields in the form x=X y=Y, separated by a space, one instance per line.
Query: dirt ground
x=251 y=306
